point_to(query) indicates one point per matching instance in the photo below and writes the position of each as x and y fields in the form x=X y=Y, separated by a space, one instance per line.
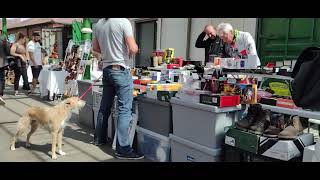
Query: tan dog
x=51 y=118
x=9 y=77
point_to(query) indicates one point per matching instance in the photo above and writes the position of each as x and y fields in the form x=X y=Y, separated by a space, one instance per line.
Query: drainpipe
x=188 y=38
x=4 y=28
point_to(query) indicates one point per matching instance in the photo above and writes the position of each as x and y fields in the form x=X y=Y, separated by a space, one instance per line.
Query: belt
x=116 y=67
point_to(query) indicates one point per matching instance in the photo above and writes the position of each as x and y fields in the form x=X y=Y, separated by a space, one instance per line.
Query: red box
x=286 y=103
x=136 y=81
x=171 y=66
x=220 y=100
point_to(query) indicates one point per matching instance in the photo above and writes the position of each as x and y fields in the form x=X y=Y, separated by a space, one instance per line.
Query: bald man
x=213 y=44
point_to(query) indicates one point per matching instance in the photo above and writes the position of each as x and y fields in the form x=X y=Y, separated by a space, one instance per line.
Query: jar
x=155 y=61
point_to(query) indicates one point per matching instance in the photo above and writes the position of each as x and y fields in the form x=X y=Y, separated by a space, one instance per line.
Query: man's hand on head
x=210 y=31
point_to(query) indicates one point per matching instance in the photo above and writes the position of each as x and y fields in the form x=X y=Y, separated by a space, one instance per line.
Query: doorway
x=146 y=37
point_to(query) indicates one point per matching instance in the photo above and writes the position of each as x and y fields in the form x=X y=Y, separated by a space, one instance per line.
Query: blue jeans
x=119 y=83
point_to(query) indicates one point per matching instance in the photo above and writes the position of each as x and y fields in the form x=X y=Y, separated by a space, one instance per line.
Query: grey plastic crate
x=97 y=96
x=183 y=150
x=83 y=85
x=200 y=123
x=111 y=124
x=153 y=146
x=155 y=115
x=86 y=116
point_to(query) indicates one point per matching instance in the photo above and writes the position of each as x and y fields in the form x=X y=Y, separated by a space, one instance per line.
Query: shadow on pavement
x=45 y=148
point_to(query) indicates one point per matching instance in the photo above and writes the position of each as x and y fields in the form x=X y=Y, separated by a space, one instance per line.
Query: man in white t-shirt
x=239 y=44
x=34 y=49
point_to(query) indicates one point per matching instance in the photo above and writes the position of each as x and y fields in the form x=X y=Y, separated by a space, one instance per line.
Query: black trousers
x=2 y=80
x=21 y=71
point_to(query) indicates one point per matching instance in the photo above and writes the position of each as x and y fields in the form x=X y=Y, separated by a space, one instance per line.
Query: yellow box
x=166 y=87
x=168 y=53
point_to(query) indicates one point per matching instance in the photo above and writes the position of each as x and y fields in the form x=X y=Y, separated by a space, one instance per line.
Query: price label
x=230 y=141
x=195 y=76
x=215 y=100
x=231 y=81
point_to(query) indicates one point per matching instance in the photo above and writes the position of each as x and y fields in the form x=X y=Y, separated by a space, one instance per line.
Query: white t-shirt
x=111 y=36
x=35 y=48
x=246 y=42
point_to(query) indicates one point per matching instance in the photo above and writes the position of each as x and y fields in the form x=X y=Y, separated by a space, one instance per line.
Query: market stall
x=189 y=113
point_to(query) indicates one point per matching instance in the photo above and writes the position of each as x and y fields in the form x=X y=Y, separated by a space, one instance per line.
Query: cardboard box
x=220 y=100
x=287 y=63
x=165 y=87
x=270 y=147
x=191 y=95
x=251 y=62
x=285 y=149
x=229 y=63
x=286 y=103
x=279 y=63
x=173 y=66
x=269 y=101
x=165 y=95
x=169 y=75
x=280 y=88
x=155 y=76
x=249 y=93
x=243 y=140
x=230 y=88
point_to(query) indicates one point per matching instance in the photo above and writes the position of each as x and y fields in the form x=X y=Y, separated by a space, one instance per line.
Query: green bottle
x=87 y=70
x=87 y=73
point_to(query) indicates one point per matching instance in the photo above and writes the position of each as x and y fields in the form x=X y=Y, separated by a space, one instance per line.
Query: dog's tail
x=23 y=123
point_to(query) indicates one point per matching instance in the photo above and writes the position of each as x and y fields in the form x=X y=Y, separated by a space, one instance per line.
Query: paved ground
x=76 y=137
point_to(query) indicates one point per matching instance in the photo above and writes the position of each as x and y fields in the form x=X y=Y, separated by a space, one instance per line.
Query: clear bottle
x=155 y=61
x=159 y=60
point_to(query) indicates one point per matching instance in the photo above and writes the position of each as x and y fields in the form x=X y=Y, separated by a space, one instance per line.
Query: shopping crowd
x=17 y=57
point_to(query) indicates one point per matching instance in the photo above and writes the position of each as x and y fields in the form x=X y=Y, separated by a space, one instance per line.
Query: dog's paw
x=12 y=148
x=28 y=145
x=54 y=157
x=62 y=153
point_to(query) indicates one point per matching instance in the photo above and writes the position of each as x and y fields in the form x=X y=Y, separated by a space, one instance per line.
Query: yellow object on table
x=166 y=87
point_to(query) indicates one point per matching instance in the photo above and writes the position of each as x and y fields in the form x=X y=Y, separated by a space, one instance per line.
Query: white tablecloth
x=53 y=81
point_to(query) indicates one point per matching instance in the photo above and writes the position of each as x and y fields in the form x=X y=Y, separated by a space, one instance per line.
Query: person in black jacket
x=4 y=51
x=213 y=45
